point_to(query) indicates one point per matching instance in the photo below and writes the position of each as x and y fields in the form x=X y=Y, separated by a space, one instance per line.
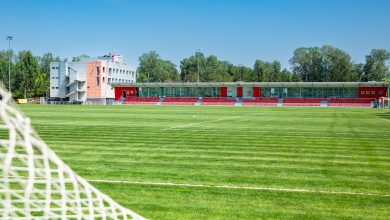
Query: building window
x=97 y=71
x=380 y=92
x=103 y=80
x=367 y=92
x=97 y=81
x=104 y=69
x=109 y=71
x=372 y=92
x=109 y=80
x=132 y=74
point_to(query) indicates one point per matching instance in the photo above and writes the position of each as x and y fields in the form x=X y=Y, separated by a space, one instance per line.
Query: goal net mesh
x=383 y=102
x=36 y=184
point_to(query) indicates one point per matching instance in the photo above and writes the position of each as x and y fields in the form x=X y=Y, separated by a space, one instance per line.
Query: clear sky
x=239 y=31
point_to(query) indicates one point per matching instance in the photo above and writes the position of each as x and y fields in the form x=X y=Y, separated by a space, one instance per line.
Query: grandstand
x=308 y=94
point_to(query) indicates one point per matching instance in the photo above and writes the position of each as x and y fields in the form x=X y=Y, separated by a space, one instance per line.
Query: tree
x=27 y=70
x=4 y=62
x=42 y=81
x=79 y=58
x=336 y=64
x=264 y=71
x=357 y=72
x=296 y=78
x=169 y=72
x=238 y=73
x=307 y=63
x=154 y=69
x=259 y=69
x=275 y=71
x=375 y=68
x=214 y=71
x=4 y=72
x=323 y=64
x=189 y=67
x=286 y=76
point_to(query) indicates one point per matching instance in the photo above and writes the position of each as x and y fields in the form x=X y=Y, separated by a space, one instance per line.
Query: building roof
x=253 y=84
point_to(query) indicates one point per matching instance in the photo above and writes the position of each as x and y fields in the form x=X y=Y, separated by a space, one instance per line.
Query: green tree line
x=30 y=75
x=308 y=64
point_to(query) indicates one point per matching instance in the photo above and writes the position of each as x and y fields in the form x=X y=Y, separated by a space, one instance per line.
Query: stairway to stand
x=280 y=102
x=238 y=101
x=160 y=101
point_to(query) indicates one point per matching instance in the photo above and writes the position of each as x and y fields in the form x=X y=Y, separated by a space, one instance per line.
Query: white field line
x=196 y=123
x=240 y=187
x=384 y=119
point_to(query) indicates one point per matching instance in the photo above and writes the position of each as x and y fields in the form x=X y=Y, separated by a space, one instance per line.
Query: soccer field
x=170 y=162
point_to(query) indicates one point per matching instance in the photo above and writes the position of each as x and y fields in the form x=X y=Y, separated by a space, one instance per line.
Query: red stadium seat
x=302 y=101
x=141 y=100
x=218 y=101
x=260 y=102
x=350 y=102
x=179 y=101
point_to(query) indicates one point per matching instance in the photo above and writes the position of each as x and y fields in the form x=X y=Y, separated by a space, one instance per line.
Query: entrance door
x=239 y=91
x=124 y=93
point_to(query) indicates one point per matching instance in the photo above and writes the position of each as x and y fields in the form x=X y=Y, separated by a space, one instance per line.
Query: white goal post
x=36 y=184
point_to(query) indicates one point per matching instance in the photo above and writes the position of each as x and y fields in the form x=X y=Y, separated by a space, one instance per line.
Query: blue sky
x=239 y=31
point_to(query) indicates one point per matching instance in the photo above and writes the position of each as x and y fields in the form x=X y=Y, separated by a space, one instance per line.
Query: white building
x=89 y=79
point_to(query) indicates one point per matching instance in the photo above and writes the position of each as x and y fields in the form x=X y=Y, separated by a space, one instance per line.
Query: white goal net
x=36 y=184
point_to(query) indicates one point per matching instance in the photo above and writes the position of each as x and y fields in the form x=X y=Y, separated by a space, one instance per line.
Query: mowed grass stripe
x=303 y=148
x=171 y=202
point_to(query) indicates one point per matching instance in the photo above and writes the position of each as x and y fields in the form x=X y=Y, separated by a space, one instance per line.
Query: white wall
x=61 y=75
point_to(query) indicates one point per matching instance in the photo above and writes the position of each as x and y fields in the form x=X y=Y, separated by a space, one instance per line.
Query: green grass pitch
x=276 y=163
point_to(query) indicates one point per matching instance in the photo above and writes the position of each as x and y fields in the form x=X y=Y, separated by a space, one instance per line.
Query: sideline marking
x=384 y=119
x=240 y=187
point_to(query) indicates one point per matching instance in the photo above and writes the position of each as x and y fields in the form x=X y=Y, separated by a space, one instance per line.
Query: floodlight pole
x=9 y=38
x=388 y=85
x=198 y=63
x=388 y=90
x=148 y=83
x=240 y=65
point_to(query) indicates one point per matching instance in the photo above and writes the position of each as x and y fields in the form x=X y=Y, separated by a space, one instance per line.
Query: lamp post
x=197 y=55
x=240 y=65
x=388 y=86
x=388 y=91
x=9 y=38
